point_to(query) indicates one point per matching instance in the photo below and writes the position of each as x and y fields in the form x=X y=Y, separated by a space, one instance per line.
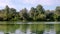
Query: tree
x=13 y=14
x=49 y=15
x=57 y=13
x=23 y=14
x=9 y=13
x=58 y=9
x=1 y=15
x=41 y=12
x=33 y=13
x=6 y=12
x=41 y=17
x=40 y=9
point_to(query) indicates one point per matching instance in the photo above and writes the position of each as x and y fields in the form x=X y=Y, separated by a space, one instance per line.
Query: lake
x=13 y=27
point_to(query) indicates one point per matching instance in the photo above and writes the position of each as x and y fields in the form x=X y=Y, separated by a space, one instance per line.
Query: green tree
x=33 y=13
x=9 y=13
x=1 y=15
x=57 y=13
x=49 y=15
x=6 y=12
x=41 y=17
x=41 y=13
x=23 y=14
x=40 y=9
x=13 y=14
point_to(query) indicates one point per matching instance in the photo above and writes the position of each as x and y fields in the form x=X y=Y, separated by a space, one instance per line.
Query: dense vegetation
x=34 y=14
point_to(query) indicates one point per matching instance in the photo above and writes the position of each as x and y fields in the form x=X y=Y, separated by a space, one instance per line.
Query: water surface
x=29 y=27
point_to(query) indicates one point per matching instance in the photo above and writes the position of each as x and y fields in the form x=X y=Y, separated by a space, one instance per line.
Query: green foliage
x=41 y=17
x=57 y=13
x=40 y=9
x=35 y=14
x=23 y=14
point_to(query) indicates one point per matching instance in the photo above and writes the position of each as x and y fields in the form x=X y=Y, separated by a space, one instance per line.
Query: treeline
x=34 y=14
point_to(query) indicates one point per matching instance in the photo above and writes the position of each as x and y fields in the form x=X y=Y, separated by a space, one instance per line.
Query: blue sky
x=20 y=4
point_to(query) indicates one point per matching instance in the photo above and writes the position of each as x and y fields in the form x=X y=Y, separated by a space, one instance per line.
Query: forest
x=34 y=14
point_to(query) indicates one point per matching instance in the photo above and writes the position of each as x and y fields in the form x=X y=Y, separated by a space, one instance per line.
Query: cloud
x=28 y=3
x=3 y=3
x=43 y=2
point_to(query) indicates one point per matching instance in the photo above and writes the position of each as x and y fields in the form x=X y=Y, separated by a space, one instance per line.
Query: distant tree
x=9 y=13
x=6 y=10
x=41 y=17
x=58 y=9
x=1 y=15
x=12 y=13
x=23 y=14
x=57 y=13
x=40 y=9
x=41 y=13
x=33 y=13
x=49 y=15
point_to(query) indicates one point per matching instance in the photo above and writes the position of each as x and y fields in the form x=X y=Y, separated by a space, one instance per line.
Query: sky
x=20 y=4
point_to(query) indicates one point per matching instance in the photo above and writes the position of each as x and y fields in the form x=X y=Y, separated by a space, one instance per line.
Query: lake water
x=29 y=28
